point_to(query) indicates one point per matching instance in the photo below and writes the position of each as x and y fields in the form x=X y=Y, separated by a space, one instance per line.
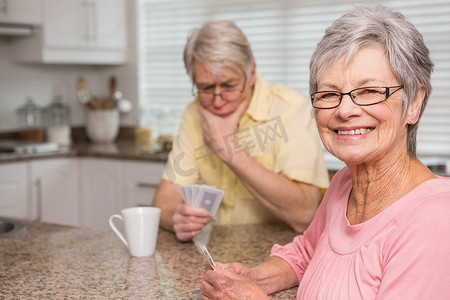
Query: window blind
x=283 y=35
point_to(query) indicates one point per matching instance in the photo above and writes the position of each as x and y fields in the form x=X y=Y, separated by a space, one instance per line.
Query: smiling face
x=216 y=83
x=363 y=134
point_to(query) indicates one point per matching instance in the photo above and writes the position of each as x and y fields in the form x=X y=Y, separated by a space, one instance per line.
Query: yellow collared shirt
x=277 y=130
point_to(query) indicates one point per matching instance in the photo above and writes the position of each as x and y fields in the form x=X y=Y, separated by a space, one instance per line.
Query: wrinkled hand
x=232 y=282
x=218 y=132
x=188 y=221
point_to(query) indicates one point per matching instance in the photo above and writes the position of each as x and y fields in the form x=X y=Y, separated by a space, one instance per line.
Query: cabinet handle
x=39 y=199
x=147 y=185
x=94 y=25
x=86 y=17
x=4 y=6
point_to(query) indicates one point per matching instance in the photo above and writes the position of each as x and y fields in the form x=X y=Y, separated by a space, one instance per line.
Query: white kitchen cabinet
x=55 y=191
x=78 y=32
x=109 y=185
x=76 y=191
x=141 y=182
x=14 y=190
x=26 y=12
x=102 y=191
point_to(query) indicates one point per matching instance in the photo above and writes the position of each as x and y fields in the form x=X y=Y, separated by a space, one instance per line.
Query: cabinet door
x=141 y=182
x=55 y=190
x=109 y=24
x=92 y=24
x=26 y=12
x=14 y=190
x=77 y=32
x=101 y=191
x=66 y=23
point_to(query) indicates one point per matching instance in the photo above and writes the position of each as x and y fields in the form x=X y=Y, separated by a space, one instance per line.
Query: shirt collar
x=257 y=108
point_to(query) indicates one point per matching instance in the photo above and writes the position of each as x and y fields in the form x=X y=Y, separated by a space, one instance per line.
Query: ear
x=252 y=78
x=413 y=113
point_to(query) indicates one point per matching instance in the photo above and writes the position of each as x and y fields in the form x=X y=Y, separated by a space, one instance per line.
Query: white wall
x=17 y=81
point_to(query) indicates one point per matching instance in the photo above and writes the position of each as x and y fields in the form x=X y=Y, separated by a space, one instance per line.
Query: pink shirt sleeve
x=298 y=253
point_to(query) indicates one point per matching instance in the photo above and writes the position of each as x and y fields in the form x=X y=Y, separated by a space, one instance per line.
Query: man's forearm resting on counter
x=293 y=202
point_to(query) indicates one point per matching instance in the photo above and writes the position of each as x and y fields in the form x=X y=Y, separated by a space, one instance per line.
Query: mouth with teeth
x=358 y=131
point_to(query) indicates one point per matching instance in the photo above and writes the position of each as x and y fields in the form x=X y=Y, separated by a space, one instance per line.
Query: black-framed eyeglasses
x=227 y=93
x=363 y=96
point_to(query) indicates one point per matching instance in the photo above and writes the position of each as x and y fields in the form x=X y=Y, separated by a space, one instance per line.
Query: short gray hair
x=404 y=46
x=216 y=44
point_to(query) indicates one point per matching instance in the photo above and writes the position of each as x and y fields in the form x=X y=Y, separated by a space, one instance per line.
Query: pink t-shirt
x=402 y=253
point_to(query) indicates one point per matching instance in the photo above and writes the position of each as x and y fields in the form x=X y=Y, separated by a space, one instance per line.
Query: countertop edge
x=120 y=150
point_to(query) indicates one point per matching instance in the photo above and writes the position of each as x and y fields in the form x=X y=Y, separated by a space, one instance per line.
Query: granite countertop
x=119 y=150
x=54 y=261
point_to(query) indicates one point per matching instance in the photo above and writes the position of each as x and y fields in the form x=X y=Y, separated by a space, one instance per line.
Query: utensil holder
x=102 y=126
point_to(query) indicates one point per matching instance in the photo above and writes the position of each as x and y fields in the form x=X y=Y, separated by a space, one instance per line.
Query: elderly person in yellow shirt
x=255 y=140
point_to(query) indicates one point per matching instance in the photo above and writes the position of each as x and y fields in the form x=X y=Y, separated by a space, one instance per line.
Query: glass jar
x=30 y=121
x=30 y=115
x=57 y=123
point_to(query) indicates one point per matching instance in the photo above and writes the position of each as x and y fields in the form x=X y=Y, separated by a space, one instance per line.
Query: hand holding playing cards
x=188 y=221
x=202 y=202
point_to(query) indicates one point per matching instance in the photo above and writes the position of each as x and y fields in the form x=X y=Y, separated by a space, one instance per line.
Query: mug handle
x=115 y=228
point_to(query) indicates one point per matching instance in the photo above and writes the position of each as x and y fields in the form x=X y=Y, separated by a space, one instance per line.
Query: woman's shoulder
x=428 y=205
x=433 y=189
x=341 y=178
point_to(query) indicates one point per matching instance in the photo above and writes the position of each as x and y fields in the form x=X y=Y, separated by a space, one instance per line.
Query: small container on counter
x=143 y=135
x=30 y=121
x=102 y=125
x=57 y=121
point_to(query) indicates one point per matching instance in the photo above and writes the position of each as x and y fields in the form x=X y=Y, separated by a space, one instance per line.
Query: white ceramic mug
x=141 y=226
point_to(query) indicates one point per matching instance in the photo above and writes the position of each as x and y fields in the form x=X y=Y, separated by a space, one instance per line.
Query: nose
x=218 y=101
x=349 y=96
x=217 y=93
x=348 y=108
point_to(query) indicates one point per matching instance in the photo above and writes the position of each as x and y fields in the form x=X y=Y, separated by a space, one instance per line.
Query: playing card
x=183 y=191
x=195 y=191
x=208 y=256
x=201 y=195
x=209 y=199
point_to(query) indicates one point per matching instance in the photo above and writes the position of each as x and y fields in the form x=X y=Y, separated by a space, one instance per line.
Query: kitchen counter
x=119 y=150
x=129 y=150
x=52 y=261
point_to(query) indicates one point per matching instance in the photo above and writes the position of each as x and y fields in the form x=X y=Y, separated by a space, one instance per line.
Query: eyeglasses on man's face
x=363 y=96
x=227 y=92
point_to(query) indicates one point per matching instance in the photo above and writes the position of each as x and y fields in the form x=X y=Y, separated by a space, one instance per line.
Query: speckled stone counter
x=119 y=150
x=49 y=261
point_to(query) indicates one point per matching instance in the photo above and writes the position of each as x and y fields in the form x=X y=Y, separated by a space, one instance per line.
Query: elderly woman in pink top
x=383 y=228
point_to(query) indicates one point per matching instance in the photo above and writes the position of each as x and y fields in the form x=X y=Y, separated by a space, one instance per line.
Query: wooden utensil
x=83 y=93
x=110 y=102
x=123 y=105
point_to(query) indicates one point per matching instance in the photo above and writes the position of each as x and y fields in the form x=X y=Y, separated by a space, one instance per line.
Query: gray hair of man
x=379 y=27
x=218 y=44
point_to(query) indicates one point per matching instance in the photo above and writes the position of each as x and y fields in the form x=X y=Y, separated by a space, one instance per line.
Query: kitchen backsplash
x=19 y=81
